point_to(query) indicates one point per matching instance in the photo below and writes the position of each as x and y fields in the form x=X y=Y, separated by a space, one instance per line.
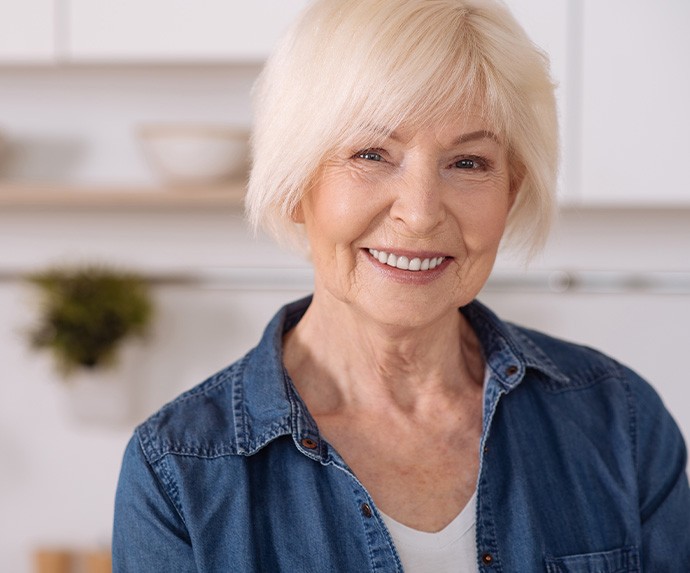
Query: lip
x=406 y=276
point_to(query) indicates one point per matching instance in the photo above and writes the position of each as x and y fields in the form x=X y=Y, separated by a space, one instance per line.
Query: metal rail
x=301 y=279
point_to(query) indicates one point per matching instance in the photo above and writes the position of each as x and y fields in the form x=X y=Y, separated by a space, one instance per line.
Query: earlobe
x=297 y=215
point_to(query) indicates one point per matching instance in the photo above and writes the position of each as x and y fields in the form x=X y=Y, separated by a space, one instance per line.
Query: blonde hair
x=347 y=68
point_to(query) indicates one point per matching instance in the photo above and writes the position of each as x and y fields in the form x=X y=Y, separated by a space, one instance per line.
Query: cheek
x=482 y=224
x=339 y=209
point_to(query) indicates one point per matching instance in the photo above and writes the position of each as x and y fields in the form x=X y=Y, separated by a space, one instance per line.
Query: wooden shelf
x=44 y=196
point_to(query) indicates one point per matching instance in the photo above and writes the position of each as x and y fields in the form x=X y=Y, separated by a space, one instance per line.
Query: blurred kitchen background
x=79 y=79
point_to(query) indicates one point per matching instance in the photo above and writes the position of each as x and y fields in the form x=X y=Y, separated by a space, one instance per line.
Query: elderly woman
x=391 y=422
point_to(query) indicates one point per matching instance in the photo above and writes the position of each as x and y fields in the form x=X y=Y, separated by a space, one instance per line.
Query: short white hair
x=347 y=68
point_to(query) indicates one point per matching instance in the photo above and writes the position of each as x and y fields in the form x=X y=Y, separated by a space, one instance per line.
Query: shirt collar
x=508 y=352
x=266 y=404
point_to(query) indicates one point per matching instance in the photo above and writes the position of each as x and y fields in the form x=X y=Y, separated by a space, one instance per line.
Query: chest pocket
x=624 y=560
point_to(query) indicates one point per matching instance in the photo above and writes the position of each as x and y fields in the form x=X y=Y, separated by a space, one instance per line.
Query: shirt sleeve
x=149 y=534
x=664 y=494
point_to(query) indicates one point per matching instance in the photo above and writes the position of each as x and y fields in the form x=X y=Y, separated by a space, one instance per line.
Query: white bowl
x=195 y=154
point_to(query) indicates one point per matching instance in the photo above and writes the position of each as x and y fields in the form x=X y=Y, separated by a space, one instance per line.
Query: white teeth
x=404 y=263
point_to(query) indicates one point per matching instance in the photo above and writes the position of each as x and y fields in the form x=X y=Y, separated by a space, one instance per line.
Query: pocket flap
x=623 y=560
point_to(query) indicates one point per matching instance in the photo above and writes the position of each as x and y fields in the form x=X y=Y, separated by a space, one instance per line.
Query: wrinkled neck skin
x=341 y=361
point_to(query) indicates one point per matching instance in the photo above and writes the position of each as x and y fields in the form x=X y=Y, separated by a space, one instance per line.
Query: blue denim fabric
x=582 y=471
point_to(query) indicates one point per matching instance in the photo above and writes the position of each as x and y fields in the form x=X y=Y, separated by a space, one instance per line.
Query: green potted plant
x=86 y=313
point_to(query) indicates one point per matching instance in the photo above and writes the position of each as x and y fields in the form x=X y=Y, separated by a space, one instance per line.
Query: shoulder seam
x=164 y=477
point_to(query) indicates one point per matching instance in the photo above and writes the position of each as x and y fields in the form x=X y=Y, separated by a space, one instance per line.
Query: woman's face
x=408 y=231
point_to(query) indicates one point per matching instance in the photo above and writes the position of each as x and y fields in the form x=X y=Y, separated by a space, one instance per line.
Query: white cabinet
x=176 y=30
x=636 y=103
x=27 y=31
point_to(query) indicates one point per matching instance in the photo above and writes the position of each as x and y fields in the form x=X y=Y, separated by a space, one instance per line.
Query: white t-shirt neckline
x=451 y=550
x=426 y=540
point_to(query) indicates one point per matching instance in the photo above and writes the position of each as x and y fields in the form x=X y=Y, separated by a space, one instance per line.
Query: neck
x=360 y=363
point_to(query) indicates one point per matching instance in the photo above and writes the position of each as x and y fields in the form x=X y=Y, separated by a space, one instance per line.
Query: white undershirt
x=451 y=550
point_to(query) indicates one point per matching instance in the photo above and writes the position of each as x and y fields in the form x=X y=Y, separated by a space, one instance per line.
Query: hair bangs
x=418 y=78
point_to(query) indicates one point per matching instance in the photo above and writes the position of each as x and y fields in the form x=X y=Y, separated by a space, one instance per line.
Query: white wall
x=58 y=474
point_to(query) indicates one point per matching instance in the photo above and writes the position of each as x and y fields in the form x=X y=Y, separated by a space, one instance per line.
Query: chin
x=408 y=312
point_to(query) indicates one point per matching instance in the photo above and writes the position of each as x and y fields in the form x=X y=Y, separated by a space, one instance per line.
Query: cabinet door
x=177 y=30
x=27 y=31
x=547 y=24
x=636 y=102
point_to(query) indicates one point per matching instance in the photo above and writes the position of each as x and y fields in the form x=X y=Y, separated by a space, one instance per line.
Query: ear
x=297 y=215
x=517 y=177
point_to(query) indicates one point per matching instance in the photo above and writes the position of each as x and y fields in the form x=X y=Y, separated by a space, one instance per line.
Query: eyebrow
x=464 y=138
x=474 y=135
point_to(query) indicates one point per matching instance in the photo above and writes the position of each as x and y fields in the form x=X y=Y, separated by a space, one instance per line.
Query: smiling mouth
x=405 y=263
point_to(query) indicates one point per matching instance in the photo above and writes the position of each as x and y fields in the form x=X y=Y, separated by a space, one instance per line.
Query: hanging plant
x=86 y=313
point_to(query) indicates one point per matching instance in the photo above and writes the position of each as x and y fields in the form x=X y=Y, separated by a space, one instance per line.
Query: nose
x=418 y=203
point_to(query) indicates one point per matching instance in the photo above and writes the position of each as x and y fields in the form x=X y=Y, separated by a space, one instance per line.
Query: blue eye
x=369 y=155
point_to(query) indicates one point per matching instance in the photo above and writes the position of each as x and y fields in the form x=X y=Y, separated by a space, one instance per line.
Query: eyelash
x=480 y=163
x=369 y=152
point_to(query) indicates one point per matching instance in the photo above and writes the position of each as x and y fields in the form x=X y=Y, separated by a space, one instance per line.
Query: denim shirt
x=582 y=471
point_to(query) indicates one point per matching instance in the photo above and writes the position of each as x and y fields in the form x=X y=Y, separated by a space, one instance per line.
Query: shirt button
x=511 y=370
x=309 y=444
x=366 y=510
x=487 y=559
